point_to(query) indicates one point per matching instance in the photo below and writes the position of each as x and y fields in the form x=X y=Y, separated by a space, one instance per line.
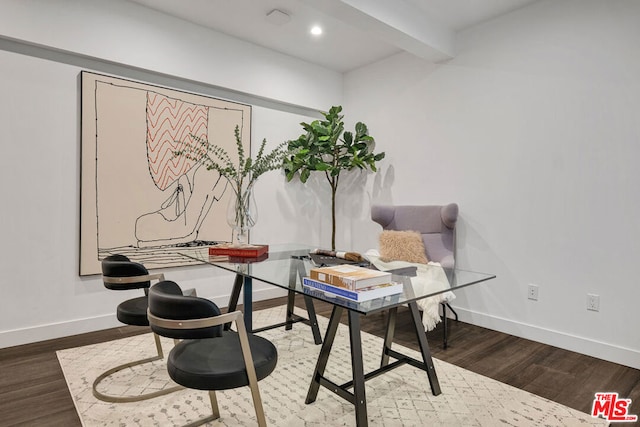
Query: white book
x=350 y=276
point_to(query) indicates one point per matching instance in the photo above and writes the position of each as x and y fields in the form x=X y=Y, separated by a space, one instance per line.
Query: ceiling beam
x=397 y=22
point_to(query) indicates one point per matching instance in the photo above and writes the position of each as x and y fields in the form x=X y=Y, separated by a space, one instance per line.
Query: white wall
x=533 y=129
x=43 y=47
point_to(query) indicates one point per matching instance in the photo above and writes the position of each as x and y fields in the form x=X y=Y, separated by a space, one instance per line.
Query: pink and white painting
x=137 y=197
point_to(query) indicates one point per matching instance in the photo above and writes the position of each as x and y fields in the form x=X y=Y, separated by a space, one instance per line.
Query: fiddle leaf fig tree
x=326 y=147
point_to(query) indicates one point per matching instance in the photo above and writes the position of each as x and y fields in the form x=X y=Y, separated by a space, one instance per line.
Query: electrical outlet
x=593 y=302
x=532 y=292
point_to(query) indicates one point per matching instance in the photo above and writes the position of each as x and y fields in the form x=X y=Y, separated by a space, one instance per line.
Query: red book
x=245 y=251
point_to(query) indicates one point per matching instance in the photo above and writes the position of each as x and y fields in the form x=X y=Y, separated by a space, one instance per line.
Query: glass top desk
x=285 y=266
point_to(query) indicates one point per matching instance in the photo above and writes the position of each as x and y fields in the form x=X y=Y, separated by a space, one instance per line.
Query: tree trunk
x=333 y=218
x=333 y=182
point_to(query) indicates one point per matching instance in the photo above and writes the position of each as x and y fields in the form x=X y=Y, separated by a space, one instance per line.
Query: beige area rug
x=401 y=397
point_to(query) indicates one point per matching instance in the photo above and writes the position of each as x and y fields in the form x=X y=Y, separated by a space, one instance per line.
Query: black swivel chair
x=209 y=357
x=119 y=273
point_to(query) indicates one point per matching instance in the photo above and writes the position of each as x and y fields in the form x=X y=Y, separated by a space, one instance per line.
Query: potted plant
x=242 y=211
x=326 y=147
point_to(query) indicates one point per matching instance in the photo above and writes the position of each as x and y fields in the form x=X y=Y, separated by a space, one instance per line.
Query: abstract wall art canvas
x=137 y=197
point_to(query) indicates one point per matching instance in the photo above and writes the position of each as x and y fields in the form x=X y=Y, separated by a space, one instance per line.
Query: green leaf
x=361 y=130
x=304 y=176
x=325 y=146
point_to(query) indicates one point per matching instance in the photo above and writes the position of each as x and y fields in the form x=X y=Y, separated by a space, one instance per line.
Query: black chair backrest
x=120 y=266
x=167 y=301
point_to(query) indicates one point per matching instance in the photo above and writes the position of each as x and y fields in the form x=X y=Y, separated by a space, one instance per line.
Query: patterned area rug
x=401 y=397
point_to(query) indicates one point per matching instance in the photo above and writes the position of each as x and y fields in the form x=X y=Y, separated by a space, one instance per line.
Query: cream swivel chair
x=436 y=224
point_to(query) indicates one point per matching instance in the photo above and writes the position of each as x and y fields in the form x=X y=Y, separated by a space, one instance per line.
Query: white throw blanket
x=429 y=278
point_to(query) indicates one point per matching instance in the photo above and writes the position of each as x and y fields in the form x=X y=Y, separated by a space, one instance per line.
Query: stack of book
x=352 y=282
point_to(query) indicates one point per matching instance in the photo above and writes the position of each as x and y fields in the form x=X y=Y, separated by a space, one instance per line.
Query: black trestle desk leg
x=424 y=349
x=388 y=337
x=359 y=395
x=235 y=296
x=444 y=326
x=311 y=311
x=248 y=303
x=323 y=357
x=291 y=296
x=297 y=270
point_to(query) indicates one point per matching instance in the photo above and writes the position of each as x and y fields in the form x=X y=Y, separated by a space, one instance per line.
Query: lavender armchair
x=436 y=224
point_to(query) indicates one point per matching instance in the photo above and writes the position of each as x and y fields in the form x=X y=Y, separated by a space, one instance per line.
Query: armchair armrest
x=132 y=279
x=235 y=316
x=205 y=322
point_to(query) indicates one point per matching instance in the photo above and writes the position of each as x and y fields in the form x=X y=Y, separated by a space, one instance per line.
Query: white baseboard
x=57 y=330
x=90 y=324
x=605 y=351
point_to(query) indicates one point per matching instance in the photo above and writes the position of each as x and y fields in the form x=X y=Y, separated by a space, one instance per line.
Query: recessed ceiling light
x=316 y=30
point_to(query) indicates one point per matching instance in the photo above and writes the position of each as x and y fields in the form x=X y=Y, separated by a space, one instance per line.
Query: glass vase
x=242 y=214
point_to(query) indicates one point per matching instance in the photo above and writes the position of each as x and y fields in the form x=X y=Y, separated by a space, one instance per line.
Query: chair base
x=124 y=399
x=202 y=421
x=136 y=398
x=257 y=402
x=214 y=408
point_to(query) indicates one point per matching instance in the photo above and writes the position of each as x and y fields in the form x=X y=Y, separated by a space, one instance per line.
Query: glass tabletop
x=286 y=264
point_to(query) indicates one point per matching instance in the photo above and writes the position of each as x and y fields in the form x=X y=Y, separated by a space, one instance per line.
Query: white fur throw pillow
x=402 y=246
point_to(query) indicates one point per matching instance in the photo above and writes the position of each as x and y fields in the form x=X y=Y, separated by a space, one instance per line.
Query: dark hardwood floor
x=33 y=391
